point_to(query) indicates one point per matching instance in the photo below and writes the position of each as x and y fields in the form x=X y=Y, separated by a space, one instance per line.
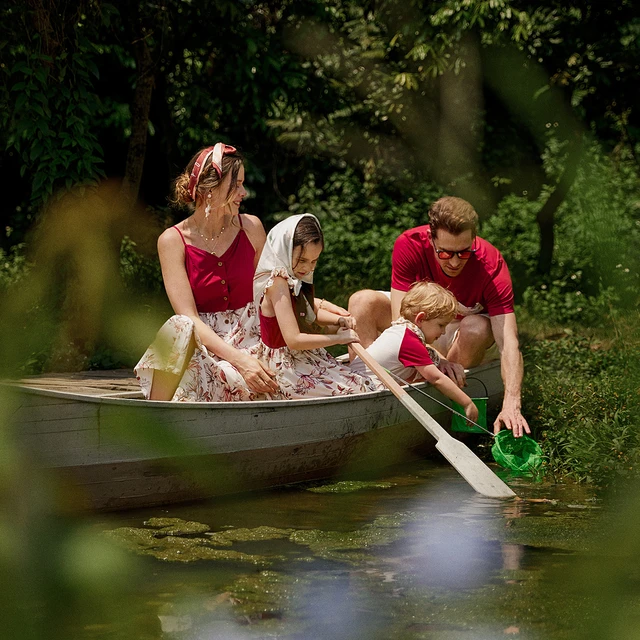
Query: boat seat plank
x=91 y=383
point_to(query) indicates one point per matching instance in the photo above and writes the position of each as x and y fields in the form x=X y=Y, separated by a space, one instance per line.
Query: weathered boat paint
x=121 y=452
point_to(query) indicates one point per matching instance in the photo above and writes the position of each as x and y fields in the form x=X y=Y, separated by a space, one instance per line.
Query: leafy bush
x=563 y=302
x=52 y=103
x=139 y=272
x=596 y=264
x=599 y=226
x=514 y=231
x=360 y=224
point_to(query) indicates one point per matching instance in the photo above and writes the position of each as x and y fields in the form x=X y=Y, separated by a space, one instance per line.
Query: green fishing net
x=523 y=455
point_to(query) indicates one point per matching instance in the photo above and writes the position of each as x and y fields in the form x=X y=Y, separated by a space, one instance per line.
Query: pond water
x=414 y=553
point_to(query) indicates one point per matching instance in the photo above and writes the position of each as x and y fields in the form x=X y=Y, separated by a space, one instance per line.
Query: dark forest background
x=363 y=112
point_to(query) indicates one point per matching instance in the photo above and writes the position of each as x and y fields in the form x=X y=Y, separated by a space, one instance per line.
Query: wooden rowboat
x=120 y=451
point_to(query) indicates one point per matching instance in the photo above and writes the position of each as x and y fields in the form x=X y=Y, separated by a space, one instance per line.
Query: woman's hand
x=332 y=308
x=346 y=336
x=346 y=322
x=258 y=377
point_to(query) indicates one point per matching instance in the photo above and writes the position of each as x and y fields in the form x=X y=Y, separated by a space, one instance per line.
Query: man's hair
x=430 y=298
x=453 y=215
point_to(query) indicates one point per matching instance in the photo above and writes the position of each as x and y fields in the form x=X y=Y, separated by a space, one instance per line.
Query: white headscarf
x=277 y=257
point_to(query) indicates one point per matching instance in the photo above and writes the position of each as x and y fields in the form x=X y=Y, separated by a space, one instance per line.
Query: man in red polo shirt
x=449 y=252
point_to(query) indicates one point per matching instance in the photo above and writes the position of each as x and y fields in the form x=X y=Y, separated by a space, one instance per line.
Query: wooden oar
x=463 y=460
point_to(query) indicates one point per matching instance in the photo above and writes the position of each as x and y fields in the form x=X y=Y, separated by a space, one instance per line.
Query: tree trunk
x=139 y=122
x=546 y=217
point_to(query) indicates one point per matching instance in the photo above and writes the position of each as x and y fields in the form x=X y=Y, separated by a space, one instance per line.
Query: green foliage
x=563 y=302
x=581 y=400
x=51 y=105
x=599 y=225
x=597 y=265
x=360 y=225
x=140 y=273
x=14 y=266
x=140 y=276
x=514 y=231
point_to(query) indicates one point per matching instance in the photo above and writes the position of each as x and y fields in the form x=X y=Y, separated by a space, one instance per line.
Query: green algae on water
x=176 y=526
x=350 y=546
x=569 y=532
x=349 y=486
x=267 y=595
x=363 y=538
x=146 y=542
x=249 y=535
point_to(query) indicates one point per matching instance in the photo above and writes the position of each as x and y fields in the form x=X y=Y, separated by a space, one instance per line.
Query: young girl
x=290 y=319
x=404 y=348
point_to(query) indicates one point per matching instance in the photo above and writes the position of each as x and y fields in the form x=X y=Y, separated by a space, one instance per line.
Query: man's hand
x=347 y=322
x=511 y=418
x=454 y=371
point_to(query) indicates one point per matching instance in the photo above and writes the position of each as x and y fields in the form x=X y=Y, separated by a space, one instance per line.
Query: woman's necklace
x=213 y=238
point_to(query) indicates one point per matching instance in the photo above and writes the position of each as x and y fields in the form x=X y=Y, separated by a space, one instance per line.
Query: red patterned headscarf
x=216 y=154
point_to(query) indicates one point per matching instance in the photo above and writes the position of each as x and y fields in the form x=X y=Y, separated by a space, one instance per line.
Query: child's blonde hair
x=430 y=298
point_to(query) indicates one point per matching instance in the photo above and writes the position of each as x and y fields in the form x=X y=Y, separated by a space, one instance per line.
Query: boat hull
x=120 y=453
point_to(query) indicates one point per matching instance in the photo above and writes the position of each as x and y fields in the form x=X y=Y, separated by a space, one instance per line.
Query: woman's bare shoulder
x=170 y=238
x=252 y=223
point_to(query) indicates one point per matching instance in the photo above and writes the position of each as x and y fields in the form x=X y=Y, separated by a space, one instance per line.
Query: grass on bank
x=581 y=396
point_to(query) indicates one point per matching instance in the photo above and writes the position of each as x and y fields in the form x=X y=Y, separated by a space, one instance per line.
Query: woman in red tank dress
x=208 y=261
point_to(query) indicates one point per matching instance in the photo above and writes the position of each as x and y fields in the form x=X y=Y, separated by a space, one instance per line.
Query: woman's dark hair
x=308 y=231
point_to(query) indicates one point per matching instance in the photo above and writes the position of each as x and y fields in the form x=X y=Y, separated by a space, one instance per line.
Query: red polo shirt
x=485 y=279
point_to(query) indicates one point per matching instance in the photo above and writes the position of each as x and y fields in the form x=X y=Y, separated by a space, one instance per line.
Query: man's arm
x=505 y=333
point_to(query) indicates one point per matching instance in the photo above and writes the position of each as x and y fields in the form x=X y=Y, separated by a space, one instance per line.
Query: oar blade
x=462 y=459
x=472 y=469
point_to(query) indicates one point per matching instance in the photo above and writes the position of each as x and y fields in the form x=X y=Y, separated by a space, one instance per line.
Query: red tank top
x=221 y=283
x=270 y=329
x=270 y=332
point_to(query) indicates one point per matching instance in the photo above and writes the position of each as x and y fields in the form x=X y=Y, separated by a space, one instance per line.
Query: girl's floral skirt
x=310 y=374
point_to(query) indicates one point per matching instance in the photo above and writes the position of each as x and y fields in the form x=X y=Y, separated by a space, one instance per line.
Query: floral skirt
x=314 y=373
x=206 y=377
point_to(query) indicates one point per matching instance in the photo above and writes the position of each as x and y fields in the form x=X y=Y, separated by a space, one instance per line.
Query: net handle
x=484 y=386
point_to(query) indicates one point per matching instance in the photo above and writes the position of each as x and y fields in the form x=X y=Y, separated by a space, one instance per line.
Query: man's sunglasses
x=447 y=255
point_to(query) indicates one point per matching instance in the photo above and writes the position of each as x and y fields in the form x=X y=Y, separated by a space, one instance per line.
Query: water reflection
x=450 y=544
x=415 y=554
